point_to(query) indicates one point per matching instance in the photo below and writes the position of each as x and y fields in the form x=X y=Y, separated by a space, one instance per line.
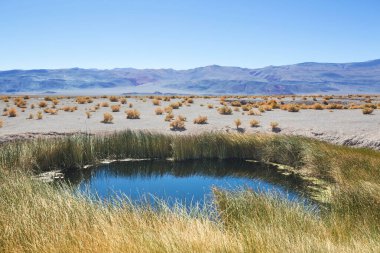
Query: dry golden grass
x=156 y=102
x=42 y=104
x=115 y=108
x=317 y=106
x=200 y=120
x=177 y=125
x=225 y=110
x=12 y=112
x=132 y=114
x=113 y=99
x=159 y=111
x=292 y=108
x=237 y=123
x=107 y=118
x=39 y=115
x=367 y=110
x=254 y=123
x=81 y=100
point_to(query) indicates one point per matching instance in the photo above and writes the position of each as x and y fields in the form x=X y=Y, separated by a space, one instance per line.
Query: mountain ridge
x=307 y=77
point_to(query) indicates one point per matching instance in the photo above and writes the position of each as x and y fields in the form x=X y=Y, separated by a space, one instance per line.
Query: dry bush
x=1 y=123
x=55 y=101
x=31 y=116
x=274 y=125
x=367 y=110
x=200 y=120
x=115 y=108
x=156 y=102
x=132 y=114
x=225 y=110
x=12 y=112
x=335 y=106
x=181 y=117
x=42 y=104
x=169 y=116
x=236 y=109
x=88 y=114
x=175 y=105
x=317 y=106
x=107 y=118
x=53 y=111
x=237 y=123
x=254 y=123
x=159 y=111
x=66 y=108
x=210 y=106
x=236 y=103
x=254 y=112
x=177 y=124
x=123 y=100
x=114 y=99
x=81 y=100
x=90 y=100
x=168 y=109
x=246 y=108
x=39 y=115
x=130 y=105
x=190 y=100
x=104 y=104
x=292 y=108
x=32 y=106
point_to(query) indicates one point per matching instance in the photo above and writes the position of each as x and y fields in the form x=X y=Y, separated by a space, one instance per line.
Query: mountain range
x=302 y=78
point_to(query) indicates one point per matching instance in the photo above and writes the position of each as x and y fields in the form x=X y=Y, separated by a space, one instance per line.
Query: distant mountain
x=308 y=77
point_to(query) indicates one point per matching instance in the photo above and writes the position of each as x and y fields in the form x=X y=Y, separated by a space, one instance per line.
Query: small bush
x=156 y=102
x=181 y=117
x=292 y=108
x=130 y=105
x=81 y=100
x=169 y=116
x=317 y=106
x=159 y=111
x=1 y=123
x=132 y=114
x=12 y=112
x=104 y=104
x=367 y=110
x=168 y=109
x=114 y=99
x=175 y=105
x=123 y=100
x=42 y=104
x=237 y=123
x=88 y=114
x=39 y=115
x=177 y=124
x=254 y=123
x=115 y=108
x=210 y=106
x=107 y=118
x=200 y=120
x=274 y=125
x=31 y=116
x=225 y=110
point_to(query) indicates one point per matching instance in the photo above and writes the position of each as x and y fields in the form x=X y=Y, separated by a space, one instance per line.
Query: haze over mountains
x=303 y=78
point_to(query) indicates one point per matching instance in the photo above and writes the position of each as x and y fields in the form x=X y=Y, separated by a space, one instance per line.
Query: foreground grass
x=36 y=217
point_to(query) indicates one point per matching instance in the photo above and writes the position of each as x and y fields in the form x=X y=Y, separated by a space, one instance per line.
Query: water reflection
x=185 y=182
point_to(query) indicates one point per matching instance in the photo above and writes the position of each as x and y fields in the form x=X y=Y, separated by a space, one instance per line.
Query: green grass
x=37 y=217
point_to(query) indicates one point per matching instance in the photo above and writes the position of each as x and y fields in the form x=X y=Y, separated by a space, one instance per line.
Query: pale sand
x=347 y=127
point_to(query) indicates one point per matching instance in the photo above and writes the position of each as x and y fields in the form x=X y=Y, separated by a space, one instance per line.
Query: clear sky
x=183 y=34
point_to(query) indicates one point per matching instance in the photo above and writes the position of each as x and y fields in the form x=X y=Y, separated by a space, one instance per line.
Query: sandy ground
x=347 y=127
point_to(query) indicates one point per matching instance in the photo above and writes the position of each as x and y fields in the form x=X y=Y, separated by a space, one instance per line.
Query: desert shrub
x=1 y=123
x=367 y=110
x=53 y=111
x=168 y=109
x=107 y=118
x=181 y=117
x=88 y=114
x=274 y=125
x=190 y=100
x=114 y=99
x=177 y=124
x=169 y=116
x=55 y=101
x=39 y=115
x=104 y=104
x=156 y=102
x=236 y=103
x=42 y=104
x=132 y=114
x=225 y=110
x=200 y=120
x=292 y=108
x=123 y=100
x=237 y=123
x=32 y=106
x=245 y=107
x=115 y=108
x=81 y=100
x=254 y=123
x=254 y=112
x=130 y=105
x=12 y=112
x=175 y=105
x=210 y=106
x=317 y=106
x=334 y=106
x=31 y=116
x=236 y=109
x=159 y=111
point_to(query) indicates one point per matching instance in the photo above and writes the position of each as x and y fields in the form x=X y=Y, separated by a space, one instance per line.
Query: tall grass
x=36 y=217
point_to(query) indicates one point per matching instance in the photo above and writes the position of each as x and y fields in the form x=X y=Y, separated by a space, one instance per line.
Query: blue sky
x=183 y=34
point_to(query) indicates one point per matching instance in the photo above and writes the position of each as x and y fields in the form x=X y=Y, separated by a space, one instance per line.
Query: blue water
x=188 y=183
